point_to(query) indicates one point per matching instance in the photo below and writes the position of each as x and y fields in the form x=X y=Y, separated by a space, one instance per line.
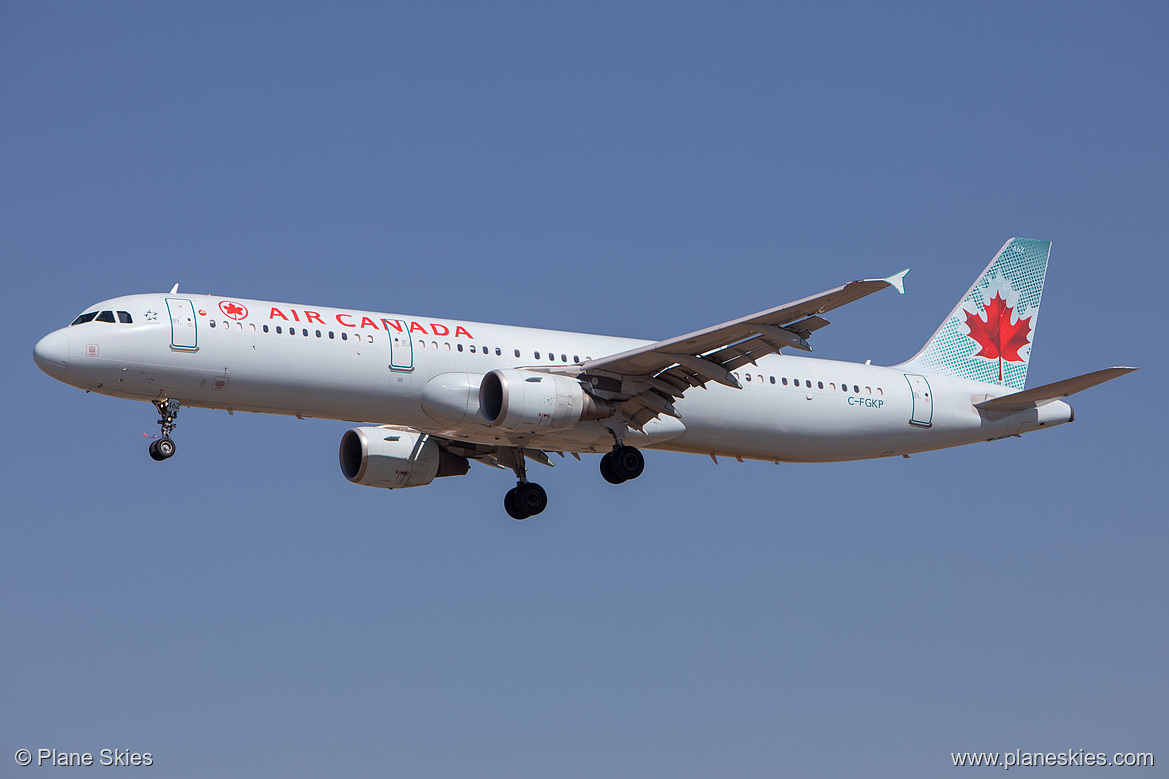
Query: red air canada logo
x=233 y=310
x=996 y=336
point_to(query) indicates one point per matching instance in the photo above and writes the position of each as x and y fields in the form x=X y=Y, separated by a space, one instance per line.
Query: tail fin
x=988 y=335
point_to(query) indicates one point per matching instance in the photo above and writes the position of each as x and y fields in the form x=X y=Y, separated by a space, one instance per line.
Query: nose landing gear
x=168 y=410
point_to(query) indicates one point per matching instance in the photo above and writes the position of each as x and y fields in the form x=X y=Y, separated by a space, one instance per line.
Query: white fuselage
x=360 y=366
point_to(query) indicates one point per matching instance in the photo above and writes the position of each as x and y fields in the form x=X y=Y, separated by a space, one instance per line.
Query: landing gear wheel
x=525 y=500
x=162 y=449
x=626 y=462
x=531 y=498
x=509 y=504
x=165 y=448
x=607 y=469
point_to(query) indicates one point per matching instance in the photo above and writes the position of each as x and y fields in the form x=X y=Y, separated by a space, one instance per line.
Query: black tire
x=154 y=455
x=530 y=497
x=607 y=470
x=514 y=510
x=627 y=462
x=165 y=448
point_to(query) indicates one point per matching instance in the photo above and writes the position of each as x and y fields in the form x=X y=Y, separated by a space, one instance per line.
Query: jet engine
x=531 y=402
x=393 y=457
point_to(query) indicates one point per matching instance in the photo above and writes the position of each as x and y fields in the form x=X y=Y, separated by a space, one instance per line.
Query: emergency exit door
x=401 y=348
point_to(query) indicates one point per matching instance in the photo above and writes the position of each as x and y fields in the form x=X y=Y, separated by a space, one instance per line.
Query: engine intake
x=394 y=457
x=531 y=402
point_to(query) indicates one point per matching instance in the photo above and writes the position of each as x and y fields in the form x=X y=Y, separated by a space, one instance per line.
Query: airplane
x=431 y=394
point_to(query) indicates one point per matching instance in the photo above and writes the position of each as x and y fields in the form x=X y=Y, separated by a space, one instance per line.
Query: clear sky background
x=628 y=169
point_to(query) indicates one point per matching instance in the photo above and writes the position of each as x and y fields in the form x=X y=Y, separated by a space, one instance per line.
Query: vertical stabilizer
x=988 y=336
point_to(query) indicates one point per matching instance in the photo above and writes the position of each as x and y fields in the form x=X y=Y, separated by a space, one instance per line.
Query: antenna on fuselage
x=174 y=289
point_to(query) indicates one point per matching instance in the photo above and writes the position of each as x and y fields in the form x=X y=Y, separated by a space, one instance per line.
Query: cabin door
x=923 y=402
x=182 y=325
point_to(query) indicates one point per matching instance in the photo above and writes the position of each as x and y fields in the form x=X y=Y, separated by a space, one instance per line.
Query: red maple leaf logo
x=233 y=310
x=996 y=337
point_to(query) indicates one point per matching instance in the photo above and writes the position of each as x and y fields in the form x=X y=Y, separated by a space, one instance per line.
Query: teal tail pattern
x=988 y=336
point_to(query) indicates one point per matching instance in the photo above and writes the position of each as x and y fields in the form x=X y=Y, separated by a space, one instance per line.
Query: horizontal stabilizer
x=1038 y=396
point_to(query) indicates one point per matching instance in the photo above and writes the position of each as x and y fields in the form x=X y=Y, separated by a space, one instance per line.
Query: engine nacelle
x=395 y=457
x=531 y=402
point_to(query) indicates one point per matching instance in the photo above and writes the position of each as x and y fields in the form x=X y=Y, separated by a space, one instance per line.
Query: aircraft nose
x=52 y=353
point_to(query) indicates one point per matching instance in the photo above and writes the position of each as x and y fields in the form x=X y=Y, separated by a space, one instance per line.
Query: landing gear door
x=401 y=348
x=923 y=402
x=182 y=325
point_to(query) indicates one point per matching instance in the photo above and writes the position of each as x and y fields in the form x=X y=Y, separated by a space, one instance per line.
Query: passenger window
x=498 y=351
x=856 y=389
x=880 y=391
x=447 y=345
x=84 y=318
x=331 y=337
x=106 y=316
x=369 y=338
x=772 y=379
x=760 y=377
x=279 y=331
x=564 y=358
x=784 y=381
x=575 y=358
x=868 y=390
x=344 y=335
x=832 y=386
x=434 y=345
x=796 y=382
x=459 y=347
x=124 y=318
x=212 y=323
x=318 y=334
x=820 y=384
x=537 y=355
x=517 y=352
x=748 y=377
x=472 y=347
x=265 y=328
x=253 y=327
x=421 y=344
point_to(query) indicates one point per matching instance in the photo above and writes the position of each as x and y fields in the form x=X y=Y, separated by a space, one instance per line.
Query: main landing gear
x=168 y=409
x=622 y=464
x=526 y=499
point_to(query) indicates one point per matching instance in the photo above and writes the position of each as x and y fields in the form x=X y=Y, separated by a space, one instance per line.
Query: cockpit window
x=87 y=317
x=105 y=316
x=125 y=318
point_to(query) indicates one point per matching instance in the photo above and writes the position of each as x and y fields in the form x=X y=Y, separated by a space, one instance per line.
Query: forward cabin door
x=401 y=354
x=182 y=325
x=923 y=402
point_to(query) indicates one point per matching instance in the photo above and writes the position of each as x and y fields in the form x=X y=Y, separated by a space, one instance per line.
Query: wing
x=648 y=379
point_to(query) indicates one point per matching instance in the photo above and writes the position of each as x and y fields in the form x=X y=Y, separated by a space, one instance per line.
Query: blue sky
x=639 y=170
